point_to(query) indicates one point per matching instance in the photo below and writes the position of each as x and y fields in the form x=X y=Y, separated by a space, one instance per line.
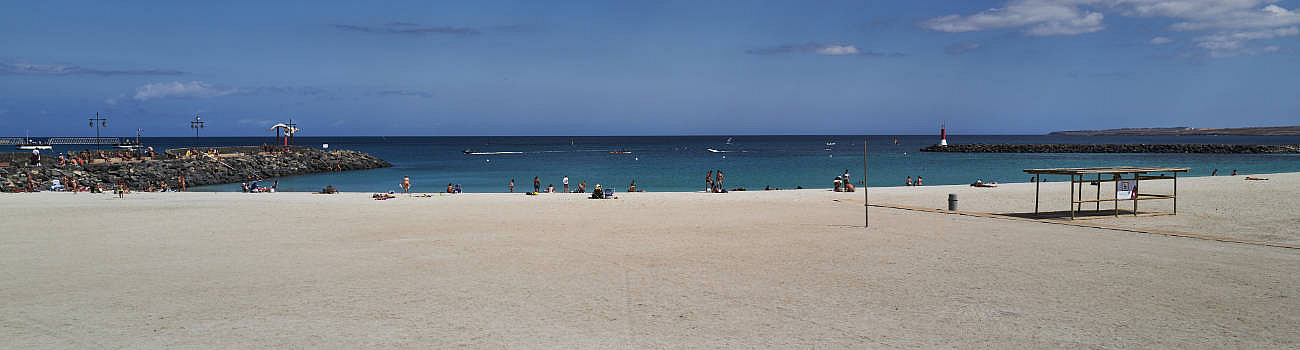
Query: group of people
x=85 y=157
x=919 y=181
x=1216 y=172
x=451 y=187
x=713 y=182
x=843 y=183
x=580 y=187
x=251 y=186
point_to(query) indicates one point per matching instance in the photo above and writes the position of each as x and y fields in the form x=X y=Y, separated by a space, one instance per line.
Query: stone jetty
x=1113 y=148
x=209 y=167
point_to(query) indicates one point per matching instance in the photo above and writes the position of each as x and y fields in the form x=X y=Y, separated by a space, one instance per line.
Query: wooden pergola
x=1117 y=174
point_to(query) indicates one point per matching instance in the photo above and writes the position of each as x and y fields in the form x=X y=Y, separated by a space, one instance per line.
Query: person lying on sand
x=981 y=183
x=382 y=196
x=1256 y=178
x=329 y=189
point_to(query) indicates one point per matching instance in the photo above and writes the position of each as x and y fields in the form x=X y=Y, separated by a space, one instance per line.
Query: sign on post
x=1126 y=189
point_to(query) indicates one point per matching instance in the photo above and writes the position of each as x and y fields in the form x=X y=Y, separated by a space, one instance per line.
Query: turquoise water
x=679 y=163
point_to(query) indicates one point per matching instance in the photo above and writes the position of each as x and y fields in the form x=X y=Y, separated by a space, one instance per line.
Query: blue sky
x=633 y=68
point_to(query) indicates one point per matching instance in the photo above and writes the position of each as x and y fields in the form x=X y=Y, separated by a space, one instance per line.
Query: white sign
x=1126 y=189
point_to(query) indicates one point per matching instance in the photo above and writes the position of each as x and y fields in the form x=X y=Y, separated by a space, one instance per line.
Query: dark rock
x=198 y=170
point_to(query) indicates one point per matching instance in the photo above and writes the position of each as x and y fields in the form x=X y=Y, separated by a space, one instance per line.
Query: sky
x=414 y=68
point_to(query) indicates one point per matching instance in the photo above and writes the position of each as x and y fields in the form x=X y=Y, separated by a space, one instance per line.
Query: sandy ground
x=1227 y=206
x=781 y=269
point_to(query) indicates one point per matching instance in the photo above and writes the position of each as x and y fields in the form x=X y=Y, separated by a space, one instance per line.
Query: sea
x=752 y=162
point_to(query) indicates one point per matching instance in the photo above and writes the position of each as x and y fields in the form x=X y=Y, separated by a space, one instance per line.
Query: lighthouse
x=943 y=135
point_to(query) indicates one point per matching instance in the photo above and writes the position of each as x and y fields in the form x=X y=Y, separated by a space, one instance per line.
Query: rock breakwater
x=1113 y=148
x=197 y=170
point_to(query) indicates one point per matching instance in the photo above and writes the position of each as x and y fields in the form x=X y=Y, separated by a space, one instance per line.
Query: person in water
x=918 y=180
x=909 y=181
x=566 y=183
x=537 y=184
x=512 y=185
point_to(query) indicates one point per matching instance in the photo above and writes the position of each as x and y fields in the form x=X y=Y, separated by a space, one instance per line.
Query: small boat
x=471 y=152
x=730 y=140
x=620 y=152
x=832 y=143
x=128 y=144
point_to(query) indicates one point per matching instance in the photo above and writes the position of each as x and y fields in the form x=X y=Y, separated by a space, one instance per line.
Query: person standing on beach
x=512 y=185
x=406 y=184
x=717 y=182
x=918 y=180
x=708 y=181
x=846 y=176
x=537 y=184
x=566 y=183
x=909 y=180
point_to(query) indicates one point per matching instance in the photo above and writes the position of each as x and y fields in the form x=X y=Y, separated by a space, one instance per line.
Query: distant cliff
x=233 y=164
x=1112 y=148
x=1186 y=131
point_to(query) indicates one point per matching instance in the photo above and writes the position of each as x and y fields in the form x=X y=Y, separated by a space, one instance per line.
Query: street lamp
x=196 y=125
x=103 y=122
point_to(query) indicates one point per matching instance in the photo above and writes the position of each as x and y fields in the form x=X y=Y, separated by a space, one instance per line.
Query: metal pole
x=866 y=204
x=1037 y=180
x=1175 y=192
x=1098 y=192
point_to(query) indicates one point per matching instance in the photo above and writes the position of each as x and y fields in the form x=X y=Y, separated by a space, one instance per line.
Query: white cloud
x=176 y=89
x=837 y=50
x=1229 y=44
x=1236 y=21
x=1040 y=17
x=254 y=122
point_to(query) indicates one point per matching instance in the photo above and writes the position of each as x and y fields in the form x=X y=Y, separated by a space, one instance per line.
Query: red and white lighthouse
x=943 y=135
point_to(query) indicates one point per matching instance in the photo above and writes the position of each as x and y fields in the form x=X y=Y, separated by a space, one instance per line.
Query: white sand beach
x=768 y=269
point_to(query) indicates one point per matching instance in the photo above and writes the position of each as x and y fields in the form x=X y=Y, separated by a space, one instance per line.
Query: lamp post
x=97 y=122
x=196 y=125
x=138 y=151
x=293 y=129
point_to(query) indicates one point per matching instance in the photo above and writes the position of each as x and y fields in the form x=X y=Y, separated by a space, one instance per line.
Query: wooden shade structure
x=1117 y=173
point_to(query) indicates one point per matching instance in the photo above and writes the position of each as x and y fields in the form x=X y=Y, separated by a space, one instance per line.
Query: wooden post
x=1079 y=202
x=1037 y=180
x=1175 y=193
x=1136 y=185
x=1099 y=193
x=866 y=204
x=1071 y=196
x=1116 y=177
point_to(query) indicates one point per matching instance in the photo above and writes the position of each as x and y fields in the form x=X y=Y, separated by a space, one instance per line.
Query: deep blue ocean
x=679 y=163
